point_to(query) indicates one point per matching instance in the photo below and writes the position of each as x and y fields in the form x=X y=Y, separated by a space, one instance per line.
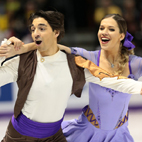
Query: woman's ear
x=122 y=36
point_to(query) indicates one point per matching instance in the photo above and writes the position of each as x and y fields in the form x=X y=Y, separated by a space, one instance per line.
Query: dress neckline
x=129 y=76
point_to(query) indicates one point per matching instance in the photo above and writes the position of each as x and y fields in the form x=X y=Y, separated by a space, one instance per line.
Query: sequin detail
x=92 y=119
x=90 y=116
x=111 y=92
x=98 y=114
x=125 y=119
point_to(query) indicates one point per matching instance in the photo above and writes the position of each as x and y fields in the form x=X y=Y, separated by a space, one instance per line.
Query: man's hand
x=14 y=46
x=7 y=50
x=10 y=47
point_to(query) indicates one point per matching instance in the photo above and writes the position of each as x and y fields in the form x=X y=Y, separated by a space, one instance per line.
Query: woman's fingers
x=16 y=42
x=141 y=91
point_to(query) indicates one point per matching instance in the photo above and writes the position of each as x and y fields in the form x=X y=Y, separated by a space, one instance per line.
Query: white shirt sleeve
x=129 y=86
x=9 y=71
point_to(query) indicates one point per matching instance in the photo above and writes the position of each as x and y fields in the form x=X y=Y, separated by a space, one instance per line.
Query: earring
x=120 y=39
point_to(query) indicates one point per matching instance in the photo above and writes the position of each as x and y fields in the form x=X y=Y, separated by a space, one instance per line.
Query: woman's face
x=109 y=34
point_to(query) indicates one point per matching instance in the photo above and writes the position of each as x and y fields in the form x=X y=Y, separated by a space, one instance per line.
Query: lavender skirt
x=81 y=130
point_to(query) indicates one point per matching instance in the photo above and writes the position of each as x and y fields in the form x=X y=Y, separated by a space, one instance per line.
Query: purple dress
x=108 y=106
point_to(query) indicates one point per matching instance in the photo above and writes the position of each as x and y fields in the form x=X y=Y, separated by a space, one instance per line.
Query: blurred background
x=82 y=18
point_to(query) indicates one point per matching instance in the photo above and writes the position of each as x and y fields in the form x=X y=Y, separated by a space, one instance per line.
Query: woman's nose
x=105 y=32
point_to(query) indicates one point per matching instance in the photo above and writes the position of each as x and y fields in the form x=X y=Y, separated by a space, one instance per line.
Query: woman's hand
x=16 y=42
x=141 y=91
x=62 y=47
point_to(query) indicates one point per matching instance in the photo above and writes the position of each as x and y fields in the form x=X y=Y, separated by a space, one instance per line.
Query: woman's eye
x=101 y=28
x=111 y=29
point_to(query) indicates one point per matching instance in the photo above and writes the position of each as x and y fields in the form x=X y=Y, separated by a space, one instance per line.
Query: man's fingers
x=6 y=50
x=4 y=46
x=3 y=51
x=2 y=55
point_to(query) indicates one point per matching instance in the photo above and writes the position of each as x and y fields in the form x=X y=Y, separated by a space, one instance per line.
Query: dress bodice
x=109 y=106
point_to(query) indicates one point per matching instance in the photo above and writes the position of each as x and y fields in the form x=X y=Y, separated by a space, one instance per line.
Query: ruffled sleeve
x=136 y=66
x=90 y=55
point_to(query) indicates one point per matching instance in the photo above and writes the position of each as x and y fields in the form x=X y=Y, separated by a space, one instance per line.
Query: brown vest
x=26 y=72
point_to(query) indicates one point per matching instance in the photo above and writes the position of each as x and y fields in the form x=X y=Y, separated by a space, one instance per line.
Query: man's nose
x=36 y=34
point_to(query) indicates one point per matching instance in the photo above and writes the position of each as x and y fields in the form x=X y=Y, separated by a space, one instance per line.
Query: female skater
x=105 y=119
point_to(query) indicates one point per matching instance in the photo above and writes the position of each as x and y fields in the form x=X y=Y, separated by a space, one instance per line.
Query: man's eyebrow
x=38 y=25
x=31 y=25
x=42 y=25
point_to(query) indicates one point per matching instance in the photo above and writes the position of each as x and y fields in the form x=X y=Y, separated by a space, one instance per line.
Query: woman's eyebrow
x=111 y=27
x=108 y=26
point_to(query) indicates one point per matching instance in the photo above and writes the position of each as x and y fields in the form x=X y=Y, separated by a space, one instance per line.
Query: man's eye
x=32 y=30
x=42 y=29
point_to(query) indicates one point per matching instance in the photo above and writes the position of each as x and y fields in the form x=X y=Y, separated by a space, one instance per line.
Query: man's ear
x=57 y=33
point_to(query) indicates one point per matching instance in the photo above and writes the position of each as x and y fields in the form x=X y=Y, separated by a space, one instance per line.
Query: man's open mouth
x=38 y=42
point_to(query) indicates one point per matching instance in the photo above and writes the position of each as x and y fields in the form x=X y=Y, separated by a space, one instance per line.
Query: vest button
x=42 y=59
